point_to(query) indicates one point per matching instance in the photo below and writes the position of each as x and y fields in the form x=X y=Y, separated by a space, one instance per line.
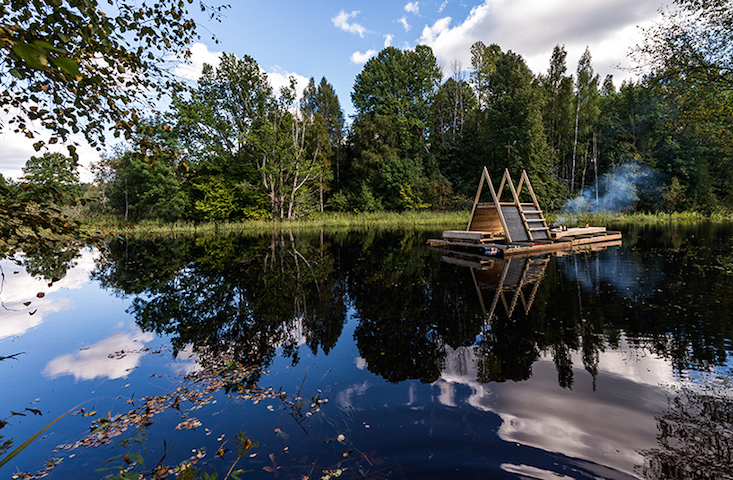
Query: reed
x=609 y=218
x=423 y=220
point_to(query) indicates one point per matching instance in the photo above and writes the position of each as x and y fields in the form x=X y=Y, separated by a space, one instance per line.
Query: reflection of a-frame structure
x=518 y=283
x=520 y=279
x=512 y=282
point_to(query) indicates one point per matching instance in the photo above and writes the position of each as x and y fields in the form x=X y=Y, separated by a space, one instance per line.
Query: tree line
x=232 y=148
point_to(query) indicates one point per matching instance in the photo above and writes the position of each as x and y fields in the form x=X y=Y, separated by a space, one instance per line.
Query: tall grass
x=608 y=218
x=345 y=222
x=423 y=220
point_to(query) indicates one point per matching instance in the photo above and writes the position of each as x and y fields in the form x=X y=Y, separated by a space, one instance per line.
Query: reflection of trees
x=409 y=308
x=679 y=301
x=280 y=291
x=695 y=437
x=51 y=264
x=249 y=296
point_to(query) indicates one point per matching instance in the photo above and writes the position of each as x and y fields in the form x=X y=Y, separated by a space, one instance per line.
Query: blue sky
x=333 y=39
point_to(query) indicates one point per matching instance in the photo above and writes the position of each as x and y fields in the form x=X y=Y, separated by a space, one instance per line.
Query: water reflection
x=97 y=360
x=278 y=292
x=538 y=366
x=251 y=296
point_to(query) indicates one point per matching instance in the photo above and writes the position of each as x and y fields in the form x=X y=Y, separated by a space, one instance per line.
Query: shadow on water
x=666 y=292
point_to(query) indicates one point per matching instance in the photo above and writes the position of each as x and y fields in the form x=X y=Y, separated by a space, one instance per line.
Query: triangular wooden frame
x=518 y=222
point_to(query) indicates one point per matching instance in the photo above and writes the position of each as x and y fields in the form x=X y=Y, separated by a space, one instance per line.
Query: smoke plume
x=618 y=191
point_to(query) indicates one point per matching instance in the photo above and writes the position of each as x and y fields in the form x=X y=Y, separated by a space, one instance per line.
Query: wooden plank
x=472 y=236
x=572 y=232
x=486 y=220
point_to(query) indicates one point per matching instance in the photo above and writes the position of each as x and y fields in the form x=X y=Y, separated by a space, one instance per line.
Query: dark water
x=370 y=356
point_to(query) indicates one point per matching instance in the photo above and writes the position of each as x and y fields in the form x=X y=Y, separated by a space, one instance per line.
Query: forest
x=231 y=148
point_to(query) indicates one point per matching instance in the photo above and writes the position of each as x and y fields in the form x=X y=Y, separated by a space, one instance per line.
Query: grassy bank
x=335 y=222
x=608 y=219
x=329 y=221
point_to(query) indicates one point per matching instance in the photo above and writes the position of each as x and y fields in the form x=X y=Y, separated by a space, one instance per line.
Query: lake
x=368 y=355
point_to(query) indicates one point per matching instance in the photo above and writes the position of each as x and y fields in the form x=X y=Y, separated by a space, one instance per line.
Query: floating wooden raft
x=516 y=227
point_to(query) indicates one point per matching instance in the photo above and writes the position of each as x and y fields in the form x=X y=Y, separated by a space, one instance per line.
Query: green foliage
x=218 y=201
x=513 y=135
x=235 y=125
x=402 y=184
x=76 y=66
x=52 y=170
x=673 y=195
x=366 y=201
x=140 y=189
x=340 y=202
x=29 y=222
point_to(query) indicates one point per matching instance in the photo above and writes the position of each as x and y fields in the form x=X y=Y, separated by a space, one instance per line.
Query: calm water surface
x=370 y=356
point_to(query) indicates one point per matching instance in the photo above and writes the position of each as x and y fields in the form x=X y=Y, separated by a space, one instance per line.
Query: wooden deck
x=565 y=240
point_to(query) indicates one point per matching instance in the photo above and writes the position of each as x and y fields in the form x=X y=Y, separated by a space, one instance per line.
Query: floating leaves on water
x=189 y=424
x=329 y=474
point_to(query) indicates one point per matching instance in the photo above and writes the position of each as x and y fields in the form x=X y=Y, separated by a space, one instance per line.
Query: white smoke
x=618 y=191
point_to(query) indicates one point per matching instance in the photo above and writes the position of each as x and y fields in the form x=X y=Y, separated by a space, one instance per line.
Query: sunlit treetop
x=693 y=42
x=83 y=66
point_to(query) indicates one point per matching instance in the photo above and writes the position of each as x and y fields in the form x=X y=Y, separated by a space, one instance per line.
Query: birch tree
x=587 y=110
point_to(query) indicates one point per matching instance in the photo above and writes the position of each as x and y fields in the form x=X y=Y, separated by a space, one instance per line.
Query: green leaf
x=31 y=55
x=67 y=65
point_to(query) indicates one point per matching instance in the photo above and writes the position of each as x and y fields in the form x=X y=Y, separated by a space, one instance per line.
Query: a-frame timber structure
x=512 y=226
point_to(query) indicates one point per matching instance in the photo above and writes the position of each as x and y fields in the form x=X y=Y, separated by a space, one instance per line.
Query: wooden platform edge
x=563 y=244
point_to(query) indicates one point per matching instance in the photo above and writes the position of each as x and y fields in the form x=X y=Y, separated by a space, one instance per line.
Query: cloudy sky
x=333 y=39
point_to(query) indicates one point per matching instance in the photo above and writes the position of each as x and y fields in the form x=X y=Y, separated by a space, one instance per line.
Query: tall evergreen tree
x=322 y=104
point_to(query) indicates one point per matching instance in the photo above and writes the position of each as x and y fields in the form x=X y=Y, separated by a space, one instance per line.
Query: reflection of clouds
x=187 y=361
x=525 y=471
x=344 y=397
x=629 y=278
x=95 y=361
x=608 y=425
x=20 y=288
x=361 y=364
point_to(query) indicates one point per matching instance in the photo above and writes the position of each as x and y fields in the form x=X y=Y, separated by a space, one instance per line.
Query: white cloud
x=360 y=58
x=200 y=55
x=413 y=7
x=532 y=28
x=388 y=40
x=429 y=34
x=345 y=397
x=342 y=21
x=442 y=6
x=404 y=23
x=113 y=357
